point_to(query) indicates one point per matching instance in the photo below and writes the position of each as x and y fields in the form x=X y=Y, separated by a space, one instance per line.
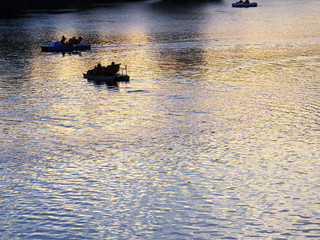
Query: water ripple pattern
x=216 y=136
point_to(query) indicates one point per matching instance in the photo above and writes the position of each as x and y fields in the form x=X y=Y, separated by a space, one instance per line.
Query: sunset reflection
x=215 y=135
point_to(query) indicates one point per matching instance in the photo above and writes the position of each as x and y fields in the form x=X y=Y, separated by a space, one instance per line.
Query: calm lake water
x=216 y=136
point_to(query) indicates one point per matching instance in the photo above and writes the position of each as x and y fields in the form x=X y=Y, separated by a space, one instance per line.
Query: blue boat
x=57 y=46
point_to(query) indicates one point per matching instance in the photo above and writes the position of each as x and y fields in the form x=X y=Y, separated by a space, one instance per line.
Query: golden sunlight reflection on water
x=215 y=135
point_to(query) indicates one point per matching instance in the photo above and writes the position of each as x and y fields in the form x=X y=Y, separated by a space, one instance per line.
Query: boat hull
x=76 y=47
x=244 y=5
x=113 y=79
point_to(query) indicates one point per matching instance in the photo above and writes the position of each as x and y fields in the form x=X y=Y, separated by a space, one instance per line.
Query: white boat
x=244 y=5
x=57 y=46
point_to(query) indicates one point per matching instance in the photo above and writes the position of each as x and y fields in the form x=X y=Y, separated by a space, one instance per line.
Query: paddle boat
x=56 y=46
x=109 y=75
x=61 y=46
x=244 y=4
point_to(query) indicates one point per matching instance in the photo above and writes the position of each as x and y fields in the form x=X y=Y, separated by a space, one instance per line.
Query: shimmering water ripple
x=215 y=137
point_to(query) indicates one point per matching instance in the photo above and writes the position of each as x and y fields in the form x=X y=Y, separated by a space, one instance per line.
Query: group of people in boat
x=71 y=41
x=246 y=1
x=105 y=71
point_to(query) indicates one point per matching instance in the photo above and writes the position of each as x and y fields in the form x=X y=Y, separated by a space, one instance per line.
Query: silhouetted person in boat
x=72 y=41
x=79 y=40
x=240 y=1
x=98 y=69
x=63 y=39
x=246 y=1
x=113 y=68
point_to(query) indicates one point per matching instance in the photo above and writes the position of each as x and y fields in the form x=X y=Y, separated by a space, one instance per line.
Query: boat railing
x=124 y=70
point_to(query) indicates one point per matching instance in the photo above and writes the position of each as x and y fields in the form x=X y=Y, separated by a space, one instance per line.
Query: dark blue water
x=215 y=137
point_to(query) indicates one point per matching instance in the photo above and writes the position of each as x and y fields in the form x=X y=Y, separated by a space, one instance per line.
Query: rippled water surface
x=215 y=137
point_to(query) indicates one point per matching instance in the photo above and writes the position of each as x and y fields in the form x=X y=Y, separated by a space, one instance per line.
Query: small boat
x=109 y=75
x=57 y=46
x=244 y=4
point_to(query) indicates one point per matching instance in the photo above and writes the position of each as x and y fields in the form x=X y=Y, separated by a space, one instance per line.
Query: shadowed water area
x=215 y=137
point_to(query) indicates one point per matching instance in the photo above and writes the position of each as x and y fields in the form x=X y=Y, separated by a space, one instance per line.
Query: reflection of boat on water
x=244 y=4
x=109 y=75
x=57 y=46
